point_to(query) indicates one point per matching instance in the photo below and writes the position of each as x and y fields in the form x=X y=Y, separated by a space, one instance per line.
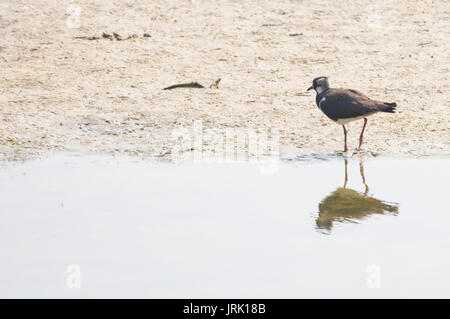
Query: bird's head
x=320 y=84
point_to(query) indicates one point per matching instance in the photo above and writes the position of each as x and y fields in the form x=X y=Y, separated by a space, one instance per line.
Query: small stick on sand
x=185 y=85
x=87 y=38
x=215 y=84
x=107 y=36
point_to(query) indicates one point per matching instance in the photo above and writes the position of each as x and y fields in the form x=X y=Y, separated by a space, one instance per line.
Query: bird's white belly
x=351 y=119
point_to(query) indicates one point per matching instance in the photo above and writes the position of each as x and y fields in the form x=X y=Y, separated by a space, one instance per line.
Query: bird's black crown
x=316 y=81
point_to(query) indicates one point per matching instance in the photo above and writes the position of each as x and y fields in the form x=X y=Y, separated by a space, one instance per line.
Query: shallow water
x=117 y=227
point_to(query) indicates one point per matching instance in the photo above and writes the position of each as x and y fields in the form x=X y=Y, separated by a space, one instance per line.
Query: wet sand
x=62 y=90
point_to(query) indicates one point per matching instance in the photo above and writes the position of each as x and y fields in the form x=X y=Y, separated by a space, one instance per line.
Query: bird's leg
x=361 y=170
x=345 y=139
x=362 y=132
x=346 y=173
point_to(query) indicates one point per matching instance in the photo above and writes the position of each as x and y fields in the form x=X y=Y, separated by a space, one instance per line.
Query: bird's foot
x=346 y=153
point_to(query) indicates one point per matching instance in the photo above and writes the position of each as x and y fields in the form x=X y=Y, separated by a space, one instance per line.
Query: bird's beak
x=310 y=88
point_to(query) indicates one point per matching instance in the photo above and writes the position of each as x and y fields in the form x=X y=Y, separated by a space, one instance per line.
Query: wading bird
x=347 y=105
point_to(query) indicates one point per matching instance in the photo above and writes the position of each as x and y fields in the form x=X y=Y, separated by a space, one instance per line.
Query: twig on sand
x=185 y=85
x=87 y=38
x=271 y=24
x=215 y=84
x=107 y=36
x=113 y=36
x=196 y=85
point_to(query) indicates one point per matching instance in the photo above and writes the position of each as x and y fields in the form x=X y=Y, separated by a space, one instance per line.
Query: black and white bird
x=347 y=105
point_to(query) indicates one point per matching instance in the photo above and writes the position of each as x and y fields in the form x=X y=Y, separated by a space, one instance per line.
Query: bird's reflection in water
x=348 y=205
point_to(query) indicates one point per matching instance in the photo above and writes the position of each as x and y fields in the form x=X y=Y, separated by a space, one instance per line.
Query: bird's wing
x=357 y=94
x=341 y=104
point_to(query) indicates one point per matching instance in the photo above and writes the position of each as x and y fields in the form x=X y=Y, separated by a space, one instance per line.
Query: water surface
x=305 y=228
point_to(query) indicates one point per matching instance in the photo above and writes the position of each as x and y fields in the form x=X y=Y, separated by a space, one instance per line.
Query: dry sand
x=59 y=92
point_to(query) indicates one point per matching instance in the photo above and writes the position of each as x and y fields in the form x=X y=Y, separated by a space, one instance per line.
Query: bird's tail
x=388 y=107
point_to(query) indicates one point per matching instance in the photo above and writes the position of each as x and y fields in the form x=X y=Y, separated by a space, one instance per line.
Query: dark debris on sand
x=113 y=36
x=214 y=85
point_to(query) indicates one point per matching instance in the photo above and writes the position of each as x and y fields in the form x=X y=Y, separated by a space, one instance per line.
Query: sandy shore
x=63 y=89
